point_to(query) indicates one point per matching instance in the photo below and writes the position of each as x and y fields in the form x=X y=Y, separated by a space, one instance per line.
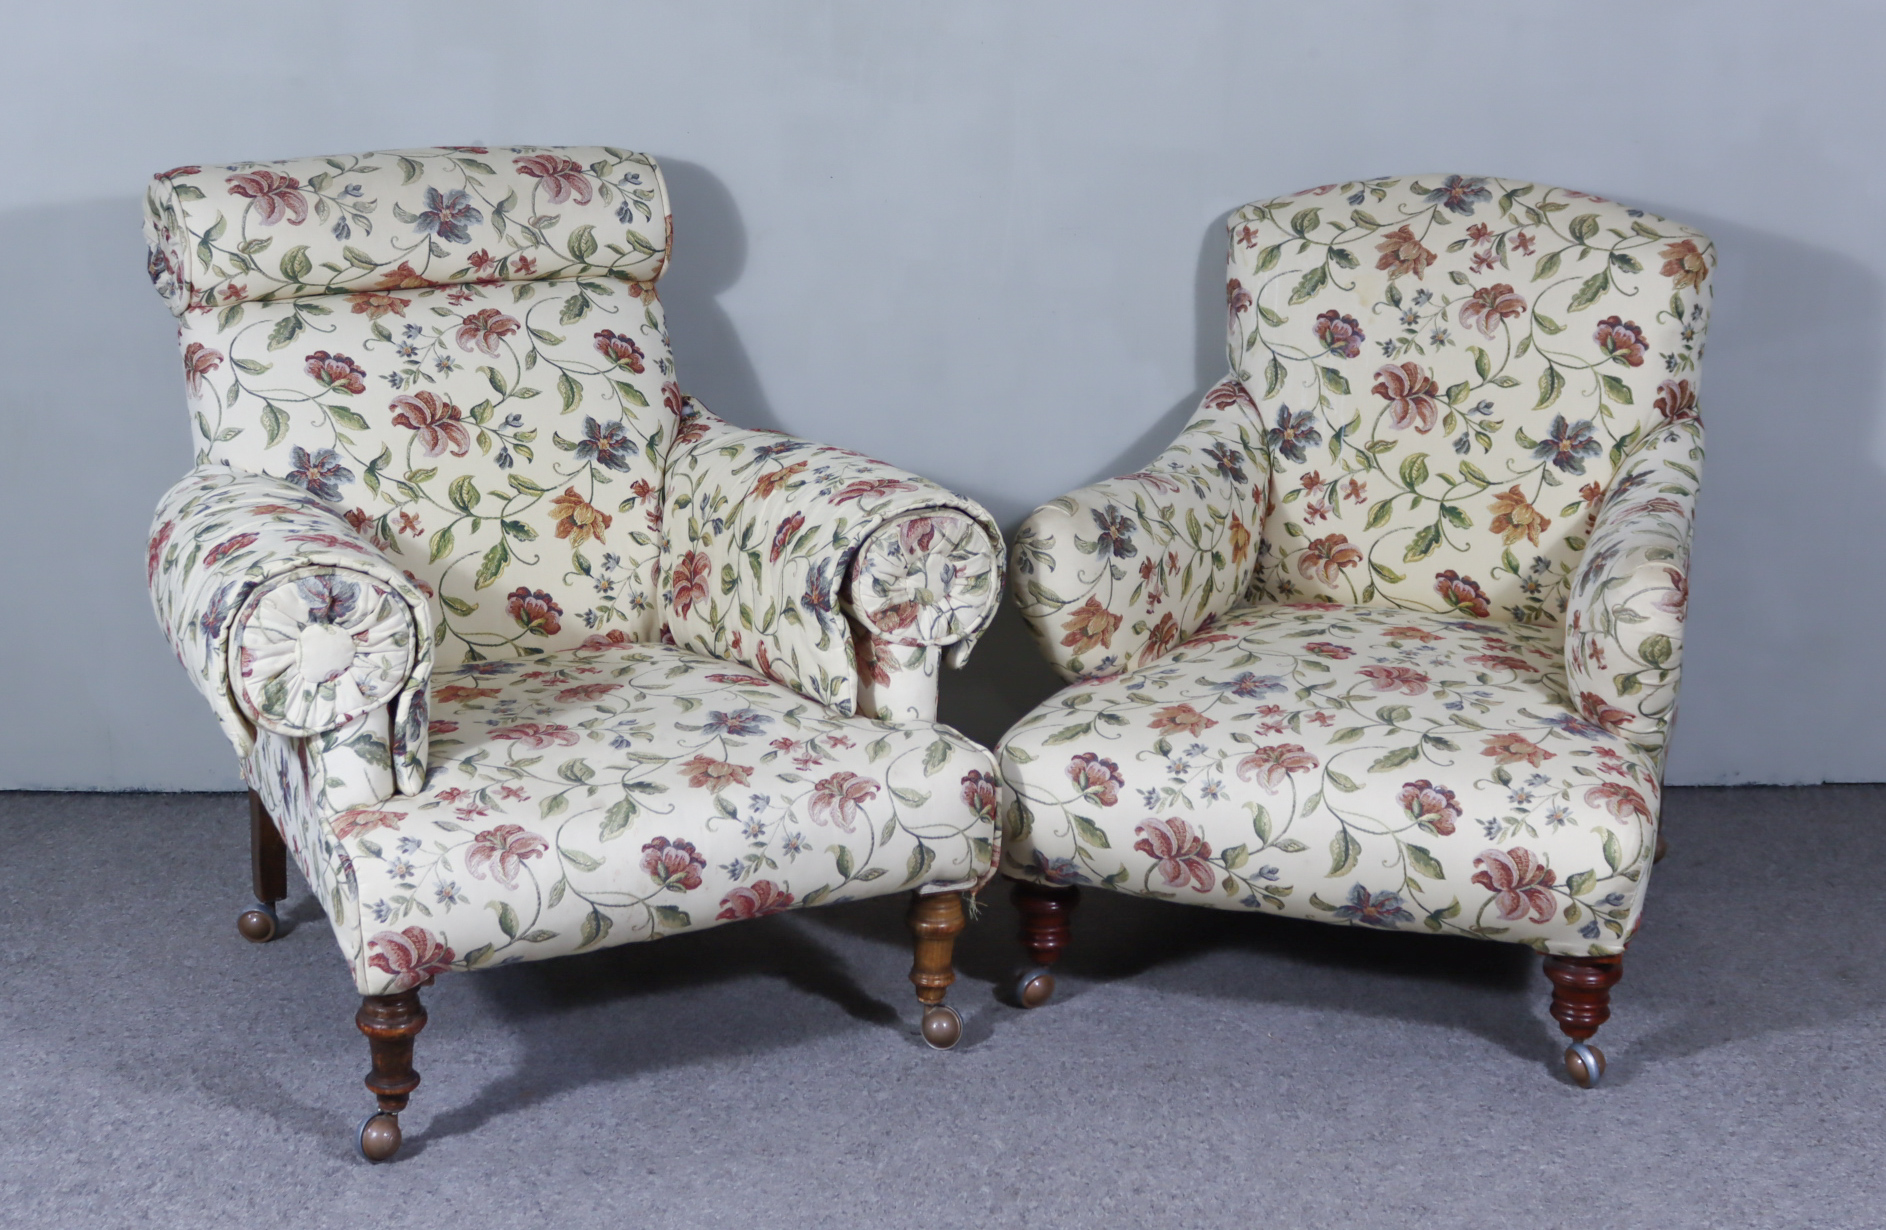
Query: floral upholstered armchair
x=1390 y=636
x=523 y=651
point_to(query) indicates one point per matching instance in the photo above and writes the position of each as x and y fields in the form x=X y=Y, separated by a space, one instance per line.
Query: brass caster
x=1584 y=1063
x=259 y=925
x=1035 y=987
x=379 y=1136
x=942 y=1027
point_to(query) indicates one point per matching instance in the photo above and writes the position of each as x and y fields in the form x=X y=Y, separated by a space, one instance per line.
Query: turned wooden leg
x=935 y=921
x=1047 y=912
x=1581 y=1001
x=1663 y=849
x=268 y=869
x=391 y=1023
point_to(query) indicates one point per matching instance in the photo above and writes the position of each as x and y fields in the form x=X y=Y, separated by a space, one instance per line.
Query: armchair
x=1390 y=636
x=523 y=651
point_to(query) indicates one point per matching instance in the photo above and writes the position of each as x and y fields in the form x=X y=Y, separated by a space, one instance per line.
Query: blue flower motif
x=1249 y=685
x=1569 y=444
x=1293 y=432
x=1459 y=193
x=446 y=215
x=739 y=722
x=320 y=473
x=607 y=445
x=1384 y=909
x=1116 y=534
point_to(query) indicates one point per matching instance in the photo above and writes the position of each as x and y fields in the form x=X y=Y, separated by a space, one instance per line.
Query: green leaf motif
x=570 y=391
x=465 y=494
x=275 y=422
x=1426 y=539
x=295 y=264
x=1311 y=283
x=1414 y=471
x=1551 y=384
x=1426 y=863
x=1656 y=650
x=1591 y=291
x=1618 y=390
x=1090 y=832
x=1397 y=758
x=1344 y=852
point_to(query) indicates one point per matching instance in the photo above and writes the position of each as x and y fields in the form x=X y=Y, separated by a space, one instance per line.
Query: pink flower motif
x=357 y=820
x=1519 y=883
x=156 y=550
x=1328 y=649
x=562 y=178
x=753 y=900
x=1410 y=393
x=1620 y=800
x=872 y=488
x=1490 y=305
x=507 y=846
x=440 y=424
x=539 y=734
x=1432 y=807
x=706 y=773
x=675 y=864
x=691 y=574
x=840 y=799
x=1098 y=780
x=199 y=361
x=275 y=196
x=413 y=956
x=979 y=793
x=486 y=329
x=1179 y=853
x=1392 y=678
x=1270 y=767
x=337 y=372
x=619 y=349
x=228 y=546
x=586 y=691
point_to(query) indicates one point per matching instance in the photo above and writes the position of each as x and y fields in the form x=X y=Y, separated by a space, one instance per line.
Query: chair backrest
x=459 y=348
x=1449 y=369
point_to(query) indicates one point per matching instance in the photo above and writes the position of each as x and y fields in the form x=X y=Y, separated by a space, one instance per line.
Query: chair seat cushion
x=1348 y=764
x=623 y=792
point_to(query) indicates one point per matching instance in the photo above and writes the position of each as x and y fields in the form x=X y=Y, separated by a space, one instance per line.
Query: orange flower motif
x=375 y=304
x=578 y=520
x=1161 y=638
x=358 y=820
x=1410 y=393
x=1240 y=540
x=773 y=480
x=1515 y=518
x=1181 y=717
x=691 y=575
x=403 y=277
x=1410 y=634
x=1599 y=713
x=706 y=773
x=1683 y=262
x=1325 y=558
x=1091 y=625
x=1618 y=799
x=1511 y=749
x=1270 y=766
x=1402 y=253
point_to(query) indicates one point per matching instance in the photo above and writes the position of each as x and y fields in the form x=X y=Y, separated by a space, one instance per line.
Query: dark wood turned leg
x=391 y=1023
x=935 y=922
x=1581 y=1002
x=1663 y=849
x=1047 y=912
x=268 y=854
x=268 y=871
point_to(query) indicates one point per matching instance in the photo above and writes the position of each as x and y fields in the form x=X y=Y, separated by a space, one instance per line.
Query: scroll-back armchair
x=523 y=651
x=1390 y=635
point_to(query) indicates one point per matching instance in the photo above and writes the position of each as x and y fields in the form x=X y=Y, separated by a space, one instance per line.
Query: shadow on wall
x=1782 y=670
x=1007 y=676
x=710 y=251
x=96 y=430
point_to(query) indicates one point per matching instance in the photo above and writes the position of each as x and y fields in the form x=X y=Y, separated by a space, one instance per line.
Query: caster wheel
x=259 y=925
x=942 y=1027
x=1585 y=1064
x=379 y=1136
x=1034 y=988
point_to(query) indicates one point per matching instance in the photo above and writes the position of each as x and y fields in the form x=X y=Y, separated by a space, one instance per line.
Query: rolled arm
x=1113 y=575
x=1624 y=622
x=841 y=577
x=289 y=620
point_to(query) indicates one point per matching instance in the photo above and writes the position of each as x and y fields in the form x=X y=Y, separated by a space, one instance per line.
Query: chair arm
x=288 y=618
x=1624 y=622
x=778 y=552
x=1133 y=565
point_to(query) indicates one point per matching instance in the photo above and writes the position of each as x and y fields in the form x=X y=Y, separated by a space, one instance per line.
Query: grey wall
x=978 y=239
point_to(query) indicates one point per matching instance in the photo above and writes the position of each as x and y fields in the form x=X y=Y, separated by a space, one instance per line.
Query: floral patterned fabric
x=1624 y=630
x=1363 y=765
x=1421 y=362
x=319 y=652
x=466 y=215
x=1116 y=574
x=501 y=433
x=437 y=417
x=620 y=792
x=767 y=529
x=222 y=545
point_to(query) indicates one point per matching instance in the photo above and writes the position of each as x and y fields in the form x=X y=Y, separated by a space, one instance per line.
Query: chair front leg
x=391 y=1023
x=1047 y=914
x=1581 y=1001
x=268 y=870
x=935 y=921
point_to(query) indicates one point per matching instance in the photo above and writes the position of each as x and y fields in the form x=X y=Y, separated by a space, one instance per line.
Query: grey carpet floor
x=1196 y=1068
